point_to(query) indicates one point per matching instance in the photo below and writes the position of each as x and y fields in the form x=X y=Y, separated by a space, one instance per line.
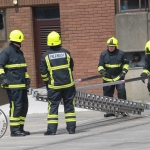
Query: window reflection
x=144 y=3
x=124 y=4
x=47 y=13
x=133 y=4
x=136 y=59
x=2 y=26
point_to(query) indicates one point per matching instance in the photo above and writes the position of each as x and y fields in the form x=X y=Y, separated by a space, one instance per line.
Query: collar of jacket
x=55 y=48
x=112 y=53
x=15 y=47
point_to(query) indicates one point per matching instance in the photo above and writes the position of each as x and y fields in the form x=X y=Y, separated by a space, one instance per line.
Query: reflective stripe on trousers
x=18 y=107
x=54 y=98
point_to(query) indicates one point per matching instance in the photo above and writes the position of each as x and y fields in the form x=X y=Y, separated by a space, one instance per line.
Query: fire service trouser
x=109 y=90
x=54 y=99
x=18 y=108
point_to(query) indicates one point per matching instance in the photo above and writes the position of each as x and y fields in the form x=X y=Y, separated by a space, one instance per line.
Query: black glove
x=143 y=75
x=28 y=84
x=122 y=75
x=104 y=74
x=28 y=81
x=4 y=82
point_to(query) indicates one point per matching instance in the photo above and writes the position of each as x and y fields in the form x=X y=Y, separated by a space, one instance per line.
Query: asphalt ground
x=93 y=131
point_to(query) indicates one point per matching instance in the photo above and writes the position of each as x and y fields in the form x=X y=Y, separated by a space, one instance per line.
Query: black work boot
x=22 y=130
x=26 y=132
x=49 y=133
x=71 y=127
x=71 y=132
x=17 y=134
x=108 y=115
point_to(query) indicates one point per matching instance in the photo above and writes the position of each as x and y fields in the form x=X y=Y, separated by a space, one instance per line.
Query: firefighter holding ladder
x=113 y=66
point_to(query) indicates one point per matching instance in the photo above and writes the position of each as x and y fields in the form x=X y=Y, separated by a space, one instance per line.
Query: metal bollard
x=30 y=91
x=33 y=94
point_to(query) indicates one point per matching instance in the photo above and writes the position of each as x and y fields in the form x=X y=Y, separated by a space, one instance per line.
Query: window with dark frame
x=2 y=26
x=131 y=5
x=136 y=59
x=47 y=13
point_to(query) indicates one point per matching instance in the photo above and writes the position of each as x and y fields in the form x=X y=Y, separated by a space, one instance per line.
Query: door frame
x=37 y=44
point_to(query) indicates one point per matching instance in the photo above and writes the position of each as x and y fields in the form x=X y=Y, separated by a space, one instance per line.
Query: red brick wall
x=21 y=19
x=85 y=27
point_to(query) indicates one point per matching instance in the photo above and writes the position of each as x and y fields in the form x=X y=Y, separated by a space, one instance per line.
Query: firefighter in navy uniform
x=16 y=81
x=56 y=68
x=146 y=68
x=113 y=66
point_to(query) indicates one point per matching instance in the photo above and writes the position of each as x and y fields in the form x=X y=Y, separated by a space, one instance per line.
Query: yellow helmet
x=112 y=42
x=147 y=47
x=16 y=36
x=53 y=39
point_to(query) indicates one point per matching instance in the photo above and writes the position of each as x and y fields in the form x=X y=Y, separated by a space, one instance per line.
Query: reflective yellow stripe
x=71 y=120
x=100 y=68
x=108 y=79
x=49 y=69
x=74 y=102
x=146 y=71
x=52 y=121
x=52 y=116
x=14 y=86
x=22 y=118
x=22 y=122
x=44 y=75
x=45 y=79
x=16 y=65
x=2 y=71
x=49 y=107
x=12 y=110
x=27 y=75
x=14 y=119
x=70 y=114
x=111 y=80
x=14 y=123
x=112 y=66
x=59 y=67
x=62 y=86
x=69 y=69
x=117 y=78
x=126 y=66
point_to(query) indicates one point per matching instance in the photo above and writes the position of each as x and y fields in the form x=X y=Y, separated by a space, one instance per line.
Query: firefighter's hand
x=143 y=75
x=28 y=81
x=28 y=86
x=104 y=73
x=122 y=75
x=5 y=82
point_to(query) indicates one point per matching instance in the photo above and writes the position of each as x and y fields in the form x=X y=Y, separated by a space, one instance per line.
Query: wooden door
x=42 y=27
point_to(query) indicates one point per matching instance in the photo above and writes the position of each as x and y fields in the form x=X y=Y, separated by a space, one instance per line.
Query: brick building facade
x=85 y=27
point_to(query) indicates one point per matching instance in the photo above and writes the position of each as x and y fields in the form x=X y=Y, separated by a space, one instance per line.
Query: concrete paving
x=93 y=131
